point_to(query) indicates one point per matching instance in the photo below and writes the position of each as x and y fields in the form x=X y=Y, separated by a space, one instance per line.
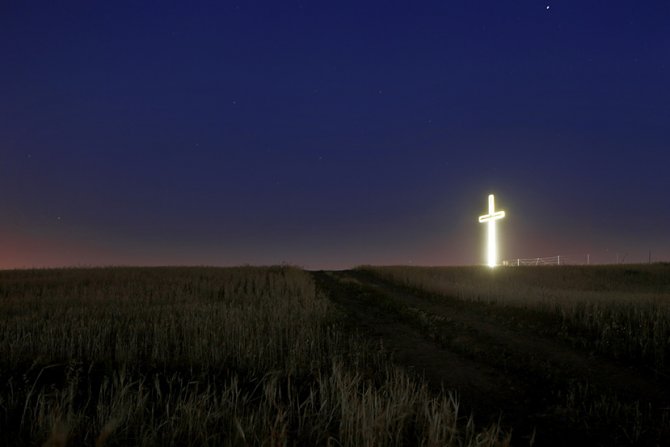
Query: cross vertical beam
x=492 y=244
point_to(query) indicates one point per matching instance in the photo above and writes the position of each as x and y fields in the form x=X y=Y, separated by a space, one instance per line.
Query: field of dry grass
x=280 y=356
x=202 y=356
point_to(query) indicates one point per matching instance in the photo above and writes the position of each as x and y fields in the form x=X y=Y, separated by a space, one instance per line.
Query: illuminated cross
x=490 y=218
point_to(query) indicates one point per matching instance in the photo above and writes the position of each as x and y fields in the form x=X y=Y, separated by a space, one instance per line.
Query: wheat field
x=203 y=356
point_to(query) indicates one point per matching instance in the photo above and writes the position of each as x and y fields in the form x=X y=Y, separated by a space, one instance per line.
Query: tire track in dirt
x=495 y=369
x=626 y=381
x=482 y=389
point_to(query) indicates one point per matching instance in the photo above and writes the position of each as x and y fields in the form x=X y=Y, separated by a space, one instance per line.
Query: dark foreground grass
x=202 y=356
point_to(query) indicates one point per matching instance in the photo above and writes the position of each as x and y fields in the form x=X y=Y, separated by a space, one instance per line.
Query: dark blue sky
x=330 y=134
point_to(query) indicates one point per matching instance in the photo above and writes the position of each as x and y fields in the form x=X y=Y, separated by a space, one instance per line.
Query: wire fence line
x=548 y=260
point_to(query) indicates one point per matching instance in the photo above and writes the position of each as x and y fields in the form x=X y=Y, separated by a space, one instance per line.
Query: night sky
x=332 y=134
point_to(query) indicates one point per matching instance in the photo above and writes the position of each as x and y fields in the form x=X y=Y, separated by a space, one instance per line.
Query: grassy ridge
x=201 y=356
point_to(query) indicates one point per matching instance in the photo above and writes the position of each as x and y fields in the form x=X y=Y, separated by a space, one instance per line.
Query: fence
x=551 y=260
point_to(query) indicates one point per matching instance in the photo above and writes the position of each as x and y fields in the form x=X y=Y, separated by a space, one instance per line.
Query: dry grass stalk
x=58 y=436
x=107 y=431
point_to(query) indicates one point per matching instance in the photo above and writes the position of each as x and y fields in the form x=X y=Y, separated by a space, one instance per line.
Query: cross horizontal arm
x=492 y=216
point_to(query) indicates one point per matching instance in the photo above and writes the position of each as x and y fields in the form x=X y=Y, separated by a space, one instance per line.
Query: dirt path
x=496 y=370
x=442 y=367
x=572 y=364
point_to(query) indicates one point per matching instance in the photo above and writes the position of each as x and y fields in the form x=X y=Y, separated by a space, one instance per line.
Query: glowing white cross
x=490 y=218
